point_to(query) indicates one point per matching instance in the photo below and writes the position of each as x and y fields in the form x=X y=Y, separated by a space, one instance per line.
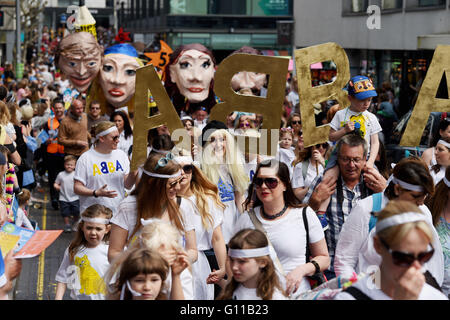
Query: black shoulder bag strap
x=305 y=223
x=356 y=293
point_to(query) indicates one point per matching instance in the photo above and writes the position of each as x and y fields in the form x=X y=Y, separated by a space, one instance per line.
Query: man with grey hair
x=355 y=182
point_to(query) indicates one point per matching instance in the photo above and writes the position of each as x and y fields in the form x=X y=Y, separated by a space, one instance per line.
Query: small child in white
x=85 y=261
x=254 y=274
x=357 y=119
x=68 y=201
x=22 y=216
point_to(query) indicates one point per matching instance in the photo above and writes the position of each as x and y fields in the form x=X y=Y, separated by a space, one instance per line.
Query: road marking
x=41 y=265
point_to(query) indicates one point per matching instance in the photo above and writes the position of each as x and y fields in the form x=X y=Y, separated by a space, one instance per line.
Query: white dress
x=126 y=219
x=201 y=268
x=243 y=293
x=85 y=276
x=124 y=144
x=355 y=251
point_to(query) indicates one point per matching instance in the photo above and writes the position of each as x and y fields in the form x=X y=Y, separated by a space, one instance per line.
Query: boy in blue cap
x=355 y=118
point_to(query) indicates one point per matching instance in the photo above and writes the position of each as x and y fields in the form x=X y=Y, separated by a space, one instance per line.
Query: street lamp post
x=18 y=51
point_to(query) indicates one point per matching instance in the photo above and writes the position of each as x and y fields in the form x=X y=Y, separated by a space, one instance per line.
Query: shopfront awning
x=429 y=42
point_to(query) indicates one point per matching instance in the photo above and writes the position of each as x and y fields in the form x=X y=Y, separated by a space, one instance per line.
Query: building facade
x=7 y=31
x=221 y=25
x=398 y=51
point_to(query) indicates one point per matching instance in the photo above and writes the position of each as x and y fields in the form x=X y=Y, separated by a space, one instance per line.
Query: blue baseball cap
x=361 y=87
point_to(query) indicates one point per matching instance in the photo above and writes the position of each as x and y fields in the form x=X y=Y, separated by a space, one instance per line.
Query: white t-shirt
x=367 y=286
x=85 y=276
x=22 y=220
x=65 y=180
x=287 y=156
x=127 y=214
x=355 y=251
x=437 y=177
x=96 y=169
x=369 y=122
x=297 y=175
x=243 y=293
x=288 y=237
x=124 y=144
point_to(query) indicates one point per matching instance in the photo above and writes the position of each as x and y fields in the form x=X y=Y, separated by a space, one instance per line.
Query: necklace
x=272 y=217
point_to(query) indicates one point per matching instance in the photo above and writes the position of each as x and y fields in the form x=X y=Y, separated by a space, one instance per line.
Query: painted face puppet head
x=118 y=74
x=192 y=68
x=245 y=81
x=79 y=57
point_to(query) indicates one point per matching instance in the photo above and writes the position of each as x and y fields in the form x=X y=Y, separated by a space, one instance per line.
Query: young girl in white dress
x=254 y=274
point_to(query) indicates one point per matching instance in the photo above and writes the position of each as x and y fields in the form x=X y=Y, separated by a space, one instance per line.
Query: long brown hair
x=290 y=199
x=438 y=201
x=268 y=279
x=94 y=211
x=133 y=262
x=151 y=194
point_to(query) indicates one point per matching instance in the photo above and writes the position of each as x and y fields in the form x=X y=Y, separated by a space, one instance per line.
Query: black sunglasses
x=188 y=168
x=403 y=259
x=271 y=183
x=115 y=138
x=296 y=122
x=323 y=145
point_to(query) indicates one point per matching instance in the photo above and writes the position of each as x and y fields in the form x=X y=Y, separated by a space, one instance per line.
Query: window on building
x=359 y=5
x=391 y=4
x=424 y=3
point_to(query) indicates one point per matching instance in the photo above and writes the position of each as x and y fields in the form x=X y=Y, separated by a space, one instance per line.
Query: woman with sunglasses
x=439 y=205
x=295 y=122
x=155 y=197
x=307 y=166
x=103 y=172
x=404 y=240
x=410 y=181
x=207 y=218
x=278 y=213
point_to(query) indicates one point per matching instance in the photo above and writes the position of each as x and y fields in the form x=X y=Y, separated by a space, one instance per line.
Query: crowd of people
x=218 y=222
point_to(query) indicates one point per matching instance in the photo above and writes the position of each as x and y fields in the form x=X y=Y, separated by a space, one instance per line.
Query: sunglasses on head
x=270 y=183
x=403 y=259
x=188 y=168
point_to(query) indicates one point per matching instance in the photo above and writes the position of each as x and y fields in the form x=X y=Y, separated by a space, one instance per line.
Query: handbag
x=319 y=277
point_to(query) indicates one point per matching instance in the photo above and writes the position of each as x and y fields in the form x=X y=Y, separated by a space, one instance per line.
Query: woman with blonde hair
x=404 y=240
x=223 y=164
x=207 y=218
x=155 y=197
x=103 y=172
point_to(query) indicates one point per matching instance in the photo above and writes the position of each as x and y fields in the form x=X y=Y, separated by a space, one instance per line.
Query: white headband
x=122 y=292
x=405 y=185
x=95 y=220
x=399 y=219
x=161 y=151
x=105 y=132
x=249 y=253
x=157 y=175
x=447 y=182
x=445 y=143
x=183 y=159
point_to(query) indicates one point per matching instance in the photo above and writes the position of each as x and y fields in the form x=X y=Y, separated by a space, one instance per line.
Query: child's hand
x=180 y=263
x=215 y=276
x=349 y=126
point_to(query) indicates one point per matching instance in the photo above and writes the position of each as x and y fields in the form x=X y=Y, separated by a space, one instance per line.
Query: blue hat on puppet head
x=122 y=48
x=361 y=87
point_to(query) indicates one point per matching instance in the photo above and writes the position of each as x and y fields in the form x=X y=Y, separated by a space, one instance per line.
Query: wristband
x=316 y=265
x=95 y=196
